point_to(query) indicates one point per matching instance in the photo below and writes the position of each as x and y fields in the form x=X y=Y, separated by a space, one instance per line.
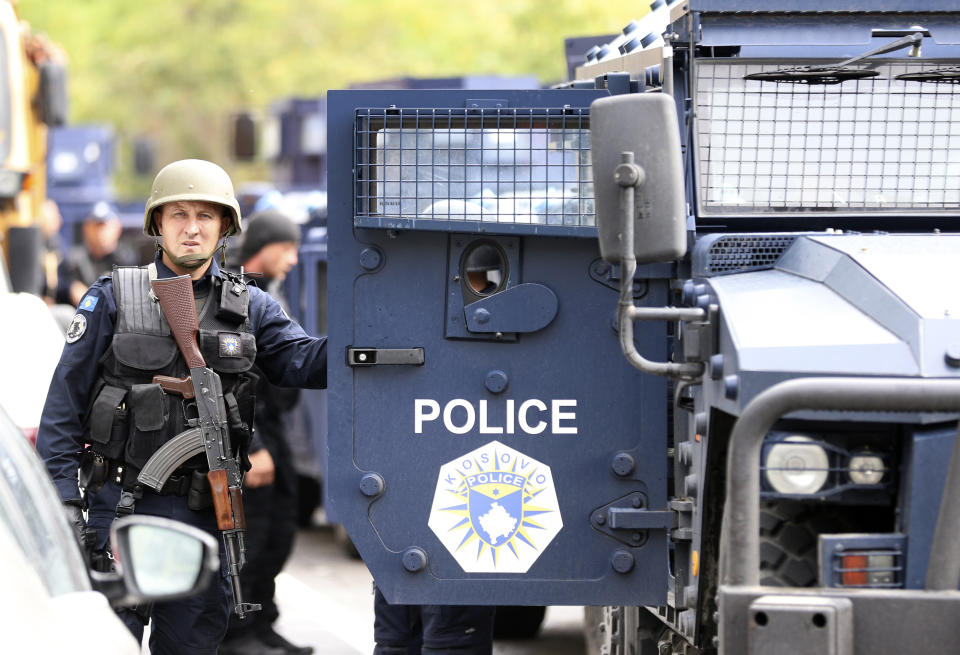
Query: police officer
x=431 y=629
x=102 y=393
x=97 y=253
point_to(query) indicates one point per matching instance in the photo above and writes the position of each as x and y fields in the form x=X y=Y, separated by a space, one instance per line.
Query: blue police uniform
x=284 y=353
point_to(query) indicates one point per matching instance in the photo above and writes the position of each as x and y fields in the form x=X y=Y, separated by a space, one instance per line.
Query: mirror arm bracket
x=630 y=178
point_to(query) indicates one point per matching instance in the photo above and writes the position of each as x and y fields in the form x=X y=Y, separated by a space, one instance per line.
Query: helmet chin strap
x=196 y=260
x=187 y=261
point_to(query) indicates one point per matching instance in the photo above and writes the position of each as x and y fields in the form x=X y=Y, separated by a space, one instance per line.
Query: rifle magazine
x=173 y=453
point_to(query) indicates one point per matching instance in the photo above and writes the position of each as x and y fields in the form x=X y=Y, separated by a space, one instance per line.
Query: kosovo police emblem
x=495 y=510
x=77 y=327
x=229 y=344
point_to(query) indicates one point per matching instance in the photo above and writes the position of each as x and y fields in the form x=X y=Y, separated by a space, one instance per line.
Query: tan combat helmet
x=192 y=179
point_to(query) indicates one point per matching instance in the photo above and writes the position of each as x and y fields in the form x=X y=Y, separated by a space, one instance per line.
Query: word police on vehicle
x=527 y=416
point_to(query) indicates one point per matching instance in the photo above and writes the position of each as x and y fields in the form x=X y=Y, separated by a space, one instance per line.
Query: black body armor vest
x=130 y=417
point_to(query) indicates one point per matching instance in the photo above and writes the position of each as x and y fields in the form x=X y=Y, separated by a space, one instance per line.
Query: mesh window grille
x=739 y=253
x=498 y=167
x=875 y=144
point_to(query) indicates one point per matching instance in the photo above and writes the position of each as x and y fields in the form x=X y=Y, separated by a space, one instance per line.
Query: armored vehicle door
x=488 y=443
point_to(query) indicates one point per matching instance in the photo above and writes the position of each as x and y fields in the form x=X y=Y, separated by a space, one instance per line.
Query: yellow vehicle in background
x=33 y=96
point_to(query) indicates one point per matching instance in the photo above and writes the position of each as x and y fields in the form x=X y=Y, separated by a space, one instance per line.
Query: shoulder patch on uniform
x=77 y=327
x=88 y=303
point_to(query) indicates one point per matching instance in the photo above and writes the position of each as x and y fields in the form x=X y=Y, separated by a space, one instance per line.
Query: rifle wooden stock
x=236 y=505
x=222 y=500
x=180 y=386
x=177 y=304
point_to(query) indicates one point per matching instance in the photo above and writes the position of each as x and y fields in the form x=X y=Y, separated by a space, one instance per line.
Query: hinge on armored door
x=628 y=520
x=686 y=561
x=609 y=276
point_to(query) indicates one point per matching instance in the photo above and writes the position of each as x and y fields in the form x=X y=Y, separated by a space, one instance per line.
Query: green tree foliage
x=176 y=70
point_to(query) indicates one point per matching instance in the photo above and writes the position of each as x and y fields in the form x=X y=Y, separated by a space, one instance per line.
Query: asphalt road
x=326 y=601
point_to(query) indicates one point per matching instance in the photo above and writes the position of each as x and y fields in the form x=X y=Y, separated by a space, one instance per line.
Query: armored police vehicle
x=731 y=425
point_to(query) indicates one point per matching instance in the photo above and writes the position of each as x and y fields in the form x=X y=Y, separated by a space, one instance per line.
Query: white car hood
x=78 y=622
x=30 y=347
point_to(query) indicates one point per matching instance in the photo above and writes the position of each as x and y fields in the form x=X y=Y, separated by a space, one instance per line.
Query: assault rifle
x=210 y=434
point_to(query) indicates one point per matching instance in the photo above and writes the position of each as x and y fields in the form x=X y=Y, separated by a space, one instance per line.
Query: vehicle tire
x=788 y=541
x=517 y=621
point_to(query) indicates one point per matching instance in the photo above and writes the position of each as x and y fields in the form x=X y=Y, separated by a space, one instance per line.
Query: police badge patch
x=495 y=509
x=77 y=327
x=229 y=344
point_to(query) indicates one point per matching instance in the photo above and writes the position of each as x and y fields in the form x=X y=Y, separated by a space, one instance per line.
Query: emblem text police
x=427 y=409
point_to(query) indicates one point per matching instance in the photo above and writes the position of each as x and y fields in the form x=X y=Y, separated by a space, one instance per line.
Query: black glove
x=74 y=510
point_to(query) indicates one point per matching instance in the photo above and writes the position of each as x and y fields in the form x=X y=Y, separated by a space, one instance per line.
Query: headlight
x=866 y=469
x=65 y=163
x=797 y=465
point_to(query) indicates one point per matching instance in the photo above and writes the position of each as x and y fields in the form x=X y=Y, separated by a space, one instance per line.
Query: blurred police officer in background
x=96 y=255
x=105 y=417
x=269 y=248
x=51 y=221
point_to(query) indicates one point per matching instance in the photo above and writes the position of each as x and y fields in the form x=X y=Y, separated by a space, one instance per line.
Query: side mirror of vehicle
x=646 y=126
x=157 y=559
x=51 y=98
x=25 y=245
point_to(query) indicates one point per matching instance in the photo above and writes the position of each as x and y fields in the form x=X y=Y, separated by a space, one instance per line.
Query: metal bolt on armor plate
x=496 y=381
x=370 y=258
x=622 y=561
x=414 y=559
x=623 y=464
x=731 y=386
x=371 y=484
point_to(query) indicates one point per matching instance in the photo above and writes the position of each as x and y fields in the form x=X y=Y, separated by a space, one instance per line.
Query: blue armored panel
x=80 y=156
x=820 y=6
x=474 y=455
x=79 y=171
